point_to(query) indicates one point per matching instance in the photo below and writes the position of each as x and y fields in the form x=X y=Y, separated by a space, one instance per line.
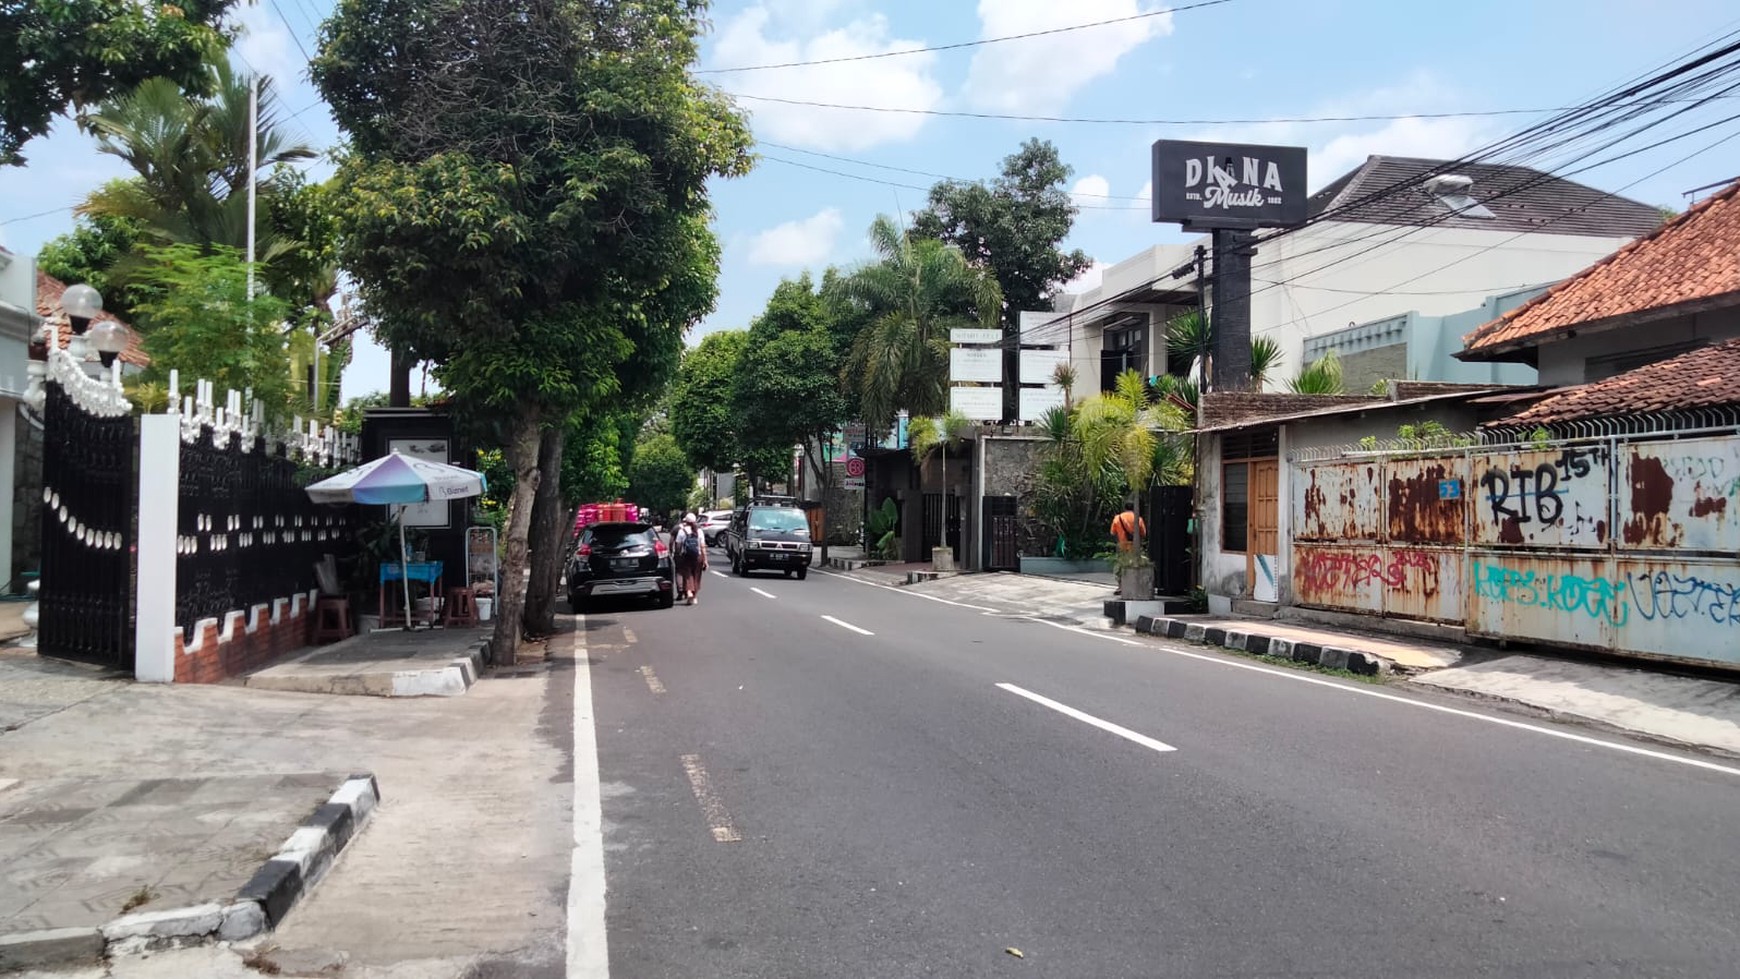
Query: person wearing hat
x=690 y=549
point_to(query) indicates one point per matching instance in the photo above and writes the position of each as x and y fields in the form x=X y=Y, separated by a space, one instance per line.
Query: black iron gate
x=89 y=491
x=942 y=523
x=1169 y=547
x=1002 y=524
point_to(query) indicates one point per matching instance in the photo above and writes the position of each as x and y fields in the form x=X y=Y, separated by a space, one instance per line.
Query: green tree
x=525 y=204
x=89 y=253
x=1122 y=430
x=702 y=410
x=197 y=319
x=1013 y=227
x=909 y=298
x=660 y=477
x=70 y=54
x=788 y=389
x=190 y=155
x=1321 y=376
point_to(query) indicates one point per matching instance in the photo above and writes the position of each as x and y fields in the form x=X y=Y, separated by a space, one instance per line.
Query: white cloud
x=265 y=46
x=1041 y=74
x=1147 y=191
x=1438 y=139
x=797 y=243
x=1092 y=189
x=903 y=82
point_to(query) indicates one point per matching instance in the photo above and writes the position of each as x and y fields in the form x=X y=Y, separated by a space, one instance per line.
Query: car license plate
x=625 y=563
x=782 y=557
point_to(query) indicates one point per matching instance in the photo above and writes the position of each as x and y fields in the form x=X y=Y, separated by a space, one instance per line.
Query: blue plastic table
x=427 y=572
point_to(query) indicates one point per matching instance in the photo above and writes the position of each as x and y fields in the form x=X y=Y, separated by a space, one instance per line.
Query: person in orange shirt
x=1126 y=527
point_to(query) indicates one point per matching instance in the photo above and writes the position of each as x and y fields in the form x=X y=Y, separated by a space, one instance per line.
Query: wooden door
x=1265 y=519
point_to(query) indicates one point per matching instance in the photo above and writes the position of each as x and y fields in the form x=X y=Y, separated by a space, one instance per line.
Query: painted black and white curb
x=259 y=906
x=1255 y=640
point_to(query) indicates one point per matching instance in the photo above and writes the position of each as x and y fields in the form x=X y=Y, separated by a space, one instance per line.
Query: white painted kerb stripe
x=848 y=625
x=763 y=594
x=1068 y=711
x=588 y=953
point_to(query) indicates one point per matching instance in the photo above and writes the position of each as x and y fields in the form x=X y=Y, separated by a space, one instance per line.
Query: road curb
x=259 y=906
x=1252 y=639
x=452 y=679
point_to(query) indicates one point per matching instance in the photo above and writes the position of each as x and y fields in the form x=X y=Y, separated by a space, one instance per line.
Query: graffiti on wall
x=1682 y=495
x=1403 y=581
x=1552 y=497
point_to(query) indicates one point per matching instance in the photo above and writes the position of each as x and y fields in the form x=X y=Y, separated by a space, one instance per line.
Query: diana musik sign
x=1239 y=186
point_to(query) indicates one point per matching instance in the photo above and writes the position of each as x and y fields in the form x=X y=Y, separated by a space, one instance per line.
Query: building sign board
x=976 y=364
x=1228 y=185
x=1035 y=402
x=972 y=335
x=1037 y=365
x=978 y=403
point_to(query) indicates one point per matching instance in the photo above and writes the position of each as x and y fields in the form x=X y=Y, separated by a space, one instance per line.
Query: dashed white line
x=718 y=818
x=719 y=573
x=763 y=594
x=588 y=949
x=628 y=634
x=1085 y=718
x=653 y=682
x=848 y=625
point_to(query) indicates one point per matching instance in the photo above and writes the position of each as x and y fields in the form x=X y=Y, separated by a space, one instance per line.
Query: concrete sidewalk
x=384 y=663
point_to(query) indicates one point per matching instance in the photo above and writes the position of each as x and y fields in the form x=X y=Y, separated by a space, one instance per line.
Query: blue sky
x=1243 y=59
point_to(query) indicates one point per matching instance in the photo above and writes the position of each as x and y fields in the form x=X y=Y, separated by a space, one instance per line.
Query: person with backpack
x=690 y=549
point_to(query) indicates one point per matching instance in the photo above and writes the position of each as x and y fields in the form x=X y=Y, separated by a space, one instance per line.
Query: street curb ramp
x=259 y=906
x=1255 y=640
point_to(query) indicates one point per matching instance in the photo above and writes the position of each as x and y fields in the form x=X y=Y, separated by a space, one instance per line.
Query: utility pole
x=253 y=170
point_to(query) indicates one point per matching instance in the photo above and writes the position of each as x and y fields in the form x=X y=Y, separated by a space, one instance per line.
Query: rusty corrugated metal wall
x=1622 y=545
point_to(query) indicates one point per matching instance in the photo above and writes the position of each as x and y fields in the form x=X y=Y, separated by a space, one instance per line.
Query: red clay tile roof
x=1708 y=377
x=1692 y=259
x=48 y=293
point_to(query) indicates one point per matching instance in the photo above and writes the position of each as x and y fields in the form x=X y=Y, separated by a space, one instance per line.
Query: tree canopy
x=702 y=412
x=788 y=389
x=70 y=54
x=524 y=204
x=660 y=478
x=1012 y=227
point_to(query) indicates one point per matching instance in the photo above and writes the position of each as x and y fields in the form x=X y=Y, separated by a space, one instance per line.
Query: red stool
x=332 y=620
x=459 y=608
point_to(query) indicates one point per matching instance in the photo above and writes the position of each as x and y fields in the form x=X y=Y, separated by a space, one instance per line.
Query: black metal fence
x=248 y=534
x=89 y=502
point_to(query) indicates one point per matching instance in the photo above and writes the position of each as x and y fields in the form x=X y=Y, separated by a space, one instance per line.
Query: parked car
x=621 y=560
x=713 y=524
x=775 y=537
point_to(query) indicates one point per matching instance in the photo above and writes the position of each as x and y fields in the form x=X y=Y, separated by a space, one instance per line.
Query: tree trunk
x=827 y=481
x=546 y=539
x=399 y=381
x=522 y=455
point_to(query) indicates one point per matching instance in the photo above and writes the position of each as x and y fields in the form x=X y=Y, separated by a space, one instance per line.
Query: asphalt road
x=784 y=795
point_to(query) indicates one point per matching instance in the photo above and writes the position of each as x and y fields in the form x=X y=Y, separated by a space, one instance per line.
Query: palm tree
x=914 y=291
x=1322 y=376
x=1265 y=360
x=927 y=435
x=1122 y=430
x=191 y=158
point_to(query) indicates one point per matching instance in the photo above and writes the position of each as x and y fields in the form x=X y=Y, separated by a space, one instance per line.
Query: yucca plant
x=1322 y=376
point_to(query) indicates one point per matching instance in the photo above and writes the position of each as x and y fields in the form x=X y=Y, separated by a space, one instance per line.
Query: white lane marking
x=628 y=634
x=1085 y=632
x=711 y=805
x=902 y=591
x=719 y=573
x=653 y=682
x=1442 y=709
x=588 y=951
x=763 y=594
x=848 y=625
x=1085 y=718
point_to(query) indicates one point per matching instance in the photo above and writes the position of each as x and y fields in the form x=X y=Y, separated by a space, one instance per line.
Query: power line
x=905 y=186
x=39 y=214
x=1105 y=121
x=292 y=29
x=965 y=44
x=924 y=173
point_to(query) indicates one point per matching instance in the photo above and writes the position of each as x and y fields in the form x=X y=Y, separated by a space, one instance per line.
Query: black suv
x=768 y=536
x=627 y=559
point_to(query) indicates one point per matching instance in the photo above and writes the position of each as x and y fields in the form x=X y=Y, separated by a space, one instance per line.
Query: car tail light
x=585 y=550
x=660 y=549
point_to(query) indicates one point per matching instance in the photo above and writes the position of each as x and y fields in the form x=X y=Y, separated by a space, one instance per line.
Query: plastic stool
x=332 y=620
x=459 y=608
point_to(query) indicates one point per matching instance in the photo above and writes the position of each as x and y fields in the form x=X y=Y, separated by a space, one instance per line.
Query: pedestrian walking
x=690 y=549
